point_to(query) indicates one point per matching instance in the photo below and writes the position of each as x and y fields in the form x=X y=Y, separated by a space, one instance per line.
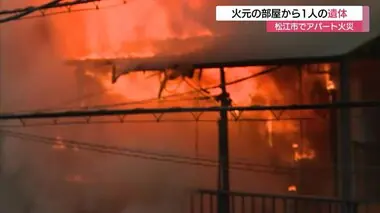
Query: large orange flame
x=118 y=30
x=132 y=30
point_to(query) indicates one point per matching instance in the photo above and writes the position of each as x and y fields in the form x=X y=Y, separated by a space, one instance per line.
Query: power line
x=140 y=111
x=21 y=13
x=178 y=159
x=101 y=106
x=203 y=91
x=71 y=10
x=104 y=106
x=117 y=148
x=57 y=107
x=23 y=124
x=30 y=8
x=48 y=5
x=146 y=155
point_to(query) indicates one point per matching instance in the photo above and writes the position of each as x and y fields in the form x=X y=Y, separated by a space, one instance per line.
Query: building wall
x=365 y=134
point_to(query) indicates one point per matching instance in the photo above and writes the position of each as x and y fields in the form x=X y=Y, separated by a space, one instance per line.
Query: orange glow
x=74 y=178
x=292 y=188
x=136 y=86
x=128 y=30
x=269 y=125
x=195 y=4
x=59 y=145
x=308 y=154
x=302 y=152
x=140 y=86
x=330 y=85
x=148 y=28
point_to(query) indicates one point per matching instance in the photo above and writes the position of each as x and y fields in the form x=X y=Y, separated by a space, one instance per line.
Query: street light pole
x=1 y=96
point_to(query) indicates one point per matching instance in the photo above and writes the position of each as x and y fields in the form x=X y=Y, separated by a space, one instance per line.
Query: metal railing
x=369 y=207
x=205 y=201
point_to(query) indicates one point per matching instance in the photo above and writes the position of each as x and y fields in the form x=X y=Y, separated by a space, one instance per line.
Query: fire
x=136 y=86
x=239 y=93
x=148 y=28
x=128 y=30
x=144 y=29
x=303 y=152
x=292 y=188
x=145 y=54
x=308 y=154
x=330 y=85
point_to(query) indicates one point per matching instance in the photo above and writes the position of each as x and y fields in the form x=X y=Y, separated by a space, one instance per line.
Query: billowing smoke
x=31 y=73
x=36 y=178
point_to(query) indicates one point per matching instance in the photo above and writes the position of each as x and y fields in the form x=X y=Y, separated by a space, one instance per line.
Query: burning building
x=155 y=157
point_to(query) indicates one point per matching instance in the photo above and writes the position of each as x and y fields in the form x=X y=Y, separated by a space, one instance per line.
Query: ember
x=292 y=188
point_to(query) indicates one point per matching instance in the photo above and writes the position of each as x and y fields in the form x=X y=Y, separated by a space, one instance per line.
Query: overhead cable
x=245 y=166
x=115 y=150
x=140 y=111
x=21 y=13
x=166 y=98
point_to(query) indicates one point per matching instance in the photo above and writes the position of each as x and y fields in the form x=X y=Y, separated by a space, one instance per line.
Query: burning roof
x=237 y=45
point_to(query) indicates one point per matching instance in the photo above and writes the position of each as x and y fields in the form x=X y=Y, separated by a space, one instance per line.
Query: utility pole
x=223 y=171
x=345 y=144
x=1 y=96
